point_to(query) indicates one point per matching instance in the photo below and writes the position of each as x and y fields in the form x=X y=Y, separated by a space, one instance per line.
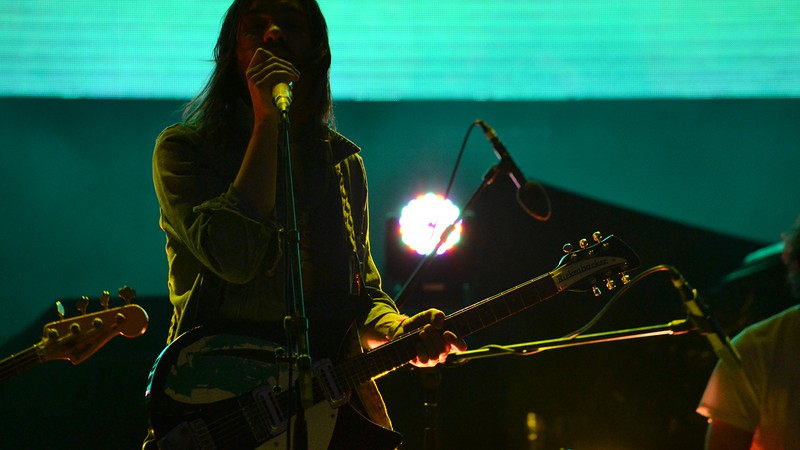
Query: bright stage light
x=424 y=219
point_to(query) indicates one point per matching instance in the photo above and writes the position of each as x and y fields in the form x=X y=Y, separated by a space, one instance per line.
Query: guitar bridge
x=323 y=369
x=269 y=406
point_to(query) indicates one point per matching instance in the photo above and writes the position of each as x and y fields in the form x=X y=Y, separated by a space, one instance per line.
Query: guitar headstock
x=604 y=262
x=76 y=339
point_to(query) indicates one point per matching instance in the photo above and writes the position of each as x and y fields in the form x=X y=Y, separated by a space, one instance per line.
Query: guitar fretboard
x=465 y=322
x=18 y=363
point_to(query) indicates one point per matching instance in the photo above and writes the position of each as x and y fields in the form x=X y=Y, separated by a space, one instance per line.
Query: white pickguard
x=210 y=370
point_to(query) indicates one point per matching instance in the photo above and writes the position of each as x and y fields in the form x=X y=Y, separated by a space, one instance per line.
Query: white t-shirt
x=763 y=395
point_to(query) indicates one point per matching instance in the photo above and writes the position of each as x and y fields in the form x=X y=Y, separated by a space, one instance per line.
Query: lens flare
x=423 y=221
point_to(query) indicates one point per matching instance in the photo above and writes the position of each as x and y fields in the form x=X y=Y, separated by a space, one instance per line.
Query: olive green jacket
x=226 y=268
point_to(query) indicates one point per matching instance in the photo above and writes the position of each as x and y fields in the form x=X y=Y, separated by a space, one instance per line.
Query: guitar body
x=226 y=391
x=223 y=391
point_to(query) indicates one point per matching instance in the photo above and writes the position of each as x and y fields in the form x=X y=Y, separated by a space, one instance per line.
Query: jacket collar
x=341 y=147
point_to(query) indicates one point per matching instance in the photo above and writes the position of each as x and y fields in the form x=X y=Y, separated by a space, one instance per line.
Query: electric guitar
x=228 y=391
x=76 y=339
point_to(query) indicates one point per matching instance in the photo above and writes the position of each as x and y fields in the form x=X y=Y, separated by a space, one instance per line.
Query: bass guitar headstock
x=77 y=338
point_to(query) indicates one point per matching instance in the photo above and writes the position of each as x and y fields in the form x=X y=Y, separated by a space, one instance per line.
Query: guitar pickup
x=270 y=407
x=323 y=369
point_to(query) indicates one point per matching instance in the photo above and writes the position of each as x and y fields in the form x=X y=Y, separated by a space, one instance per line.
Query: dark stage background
x=695 y=184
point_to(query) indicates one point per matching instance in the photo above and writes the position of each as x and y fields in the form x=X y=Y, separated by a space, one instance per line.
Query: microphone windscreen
x=534 y=200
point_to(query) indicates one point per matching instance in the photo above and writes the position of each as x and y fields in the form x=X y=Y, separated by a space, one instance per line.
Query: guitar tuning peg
x=597 y=236
x=104 y=299
x=60 y=310
x=127 y=294
x=83 y=304
x=583 y=243
x=567 y=248
x=596 y=291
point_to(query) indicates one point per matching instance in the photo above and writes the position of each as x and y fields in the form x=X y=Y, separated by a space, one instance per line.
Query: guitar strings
x=18 y=363
x=485 y=312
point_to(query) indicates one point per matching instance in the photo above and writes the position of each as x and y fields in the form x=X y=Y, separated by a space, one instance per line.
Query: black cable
x=458 y=159
x=402 y=295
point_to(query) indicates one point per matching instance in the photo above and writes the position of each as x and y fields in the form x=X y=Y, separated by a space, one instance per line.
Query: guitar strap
x=368 y=394
x=189 y=315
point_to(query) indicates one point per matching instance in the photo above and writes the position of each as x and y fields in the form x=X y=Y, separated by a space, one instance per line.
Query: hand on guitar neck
x=435 y=343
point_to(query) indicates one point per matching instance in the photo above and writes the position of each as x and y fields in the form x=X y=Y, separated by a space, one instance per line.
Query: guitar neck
x=501 y=306
x=465 y=322
x=18 y=363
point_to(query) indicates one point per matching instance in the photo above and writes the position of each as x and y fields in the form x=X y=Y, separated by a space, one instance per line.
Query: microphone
x=700 y=315
x=531 y=196
x=282 y=96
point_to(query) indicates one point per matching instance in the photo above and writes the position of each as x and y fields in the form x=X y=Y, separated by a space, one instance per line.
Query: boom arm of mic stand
x=412 y=280
x=431 y=429
x=676 y=327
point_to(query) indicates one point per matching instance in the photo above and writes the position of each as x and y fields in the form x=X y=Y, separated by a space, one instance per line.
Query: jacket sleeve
x=204 y=212
x=383 y=313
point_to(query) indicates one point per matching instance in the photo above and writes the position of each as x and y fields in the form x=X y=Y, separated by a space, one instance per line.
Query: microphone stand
x=673 y=328
x=431 y=376
x=295 y=322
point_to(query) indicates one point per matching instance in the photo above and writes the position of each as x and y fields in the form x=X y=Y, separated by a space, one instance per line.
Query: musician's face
x=278 y=26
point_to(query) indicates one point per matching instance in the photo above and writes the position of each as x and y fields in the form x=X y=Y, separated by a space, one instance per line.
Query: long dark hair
x=218 y=110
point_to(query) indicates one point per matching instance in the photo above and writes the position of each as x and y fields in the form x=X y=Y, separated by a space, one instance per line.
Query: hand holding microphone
x=269 y=80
